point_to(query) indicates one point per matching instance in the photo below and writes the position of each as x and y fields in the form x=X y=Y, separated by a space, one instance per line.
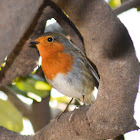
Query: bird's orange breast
x=57 y=63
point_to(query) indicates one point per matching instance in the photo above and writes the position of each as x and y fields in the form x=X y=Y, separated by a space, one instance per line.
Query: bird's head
x=50 y=43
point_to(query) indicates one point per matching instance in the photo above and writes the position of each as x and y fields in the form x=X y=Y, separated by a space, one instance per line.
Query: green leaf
x=20 y=86
x=40 y=85
x=63 y=99
x=10 y=117
x=114 y=3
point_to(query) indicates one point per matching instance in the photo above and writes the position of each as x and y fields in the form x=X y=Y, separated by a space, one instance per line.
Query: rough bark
x=109 y=46
x=10 y=135
x=15 y=19
x=22 y=59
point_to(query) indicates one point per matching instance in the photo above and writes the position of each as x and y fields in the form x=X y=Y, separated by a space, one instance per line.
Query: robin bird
x=65 y=67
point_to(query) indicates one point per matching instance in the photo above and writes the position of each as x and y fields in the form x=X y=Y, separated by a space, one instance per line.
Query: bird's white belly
x=65 y=87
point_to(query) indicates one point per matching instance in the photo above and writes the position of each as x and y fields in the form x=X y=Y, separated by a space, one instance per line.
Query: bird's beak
x=34 y=43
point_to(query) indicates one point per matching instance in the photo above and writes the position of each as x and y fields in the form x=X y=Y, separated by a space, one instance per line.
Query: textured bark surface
x=15 y=19
x=10 y=135
x=23 y=59
x=109 y=47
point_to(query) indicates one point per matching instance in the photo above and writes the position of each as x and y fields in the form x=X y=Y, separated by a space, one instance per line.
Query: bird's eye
x=50 y=39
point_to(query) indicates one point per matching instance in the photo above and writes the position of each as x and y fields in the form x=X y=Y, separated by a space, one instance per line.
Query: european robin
x=65 y=67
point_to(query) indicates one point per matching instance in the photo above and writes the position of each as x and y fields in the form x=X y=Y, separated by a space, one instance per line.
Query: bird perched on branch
x=65 y=67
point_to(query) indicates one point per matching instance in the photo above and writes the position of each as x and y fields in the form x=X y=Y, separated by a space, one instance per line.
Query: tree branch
x=10 y=135
x=126 y=6
x=22 y=59
x=11 y=35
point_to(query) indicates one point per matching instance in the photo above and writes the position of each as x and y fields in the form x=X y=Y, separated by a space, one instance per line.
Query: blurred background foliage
x=30 y=97
x=31 y=86
x=10 y=117
x=114 y=3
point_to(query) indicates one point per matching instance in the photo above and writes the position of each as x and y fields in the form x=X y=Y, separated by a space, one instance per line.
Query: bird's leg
x=68 y=105
x=65 y=109
x=84 y=99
